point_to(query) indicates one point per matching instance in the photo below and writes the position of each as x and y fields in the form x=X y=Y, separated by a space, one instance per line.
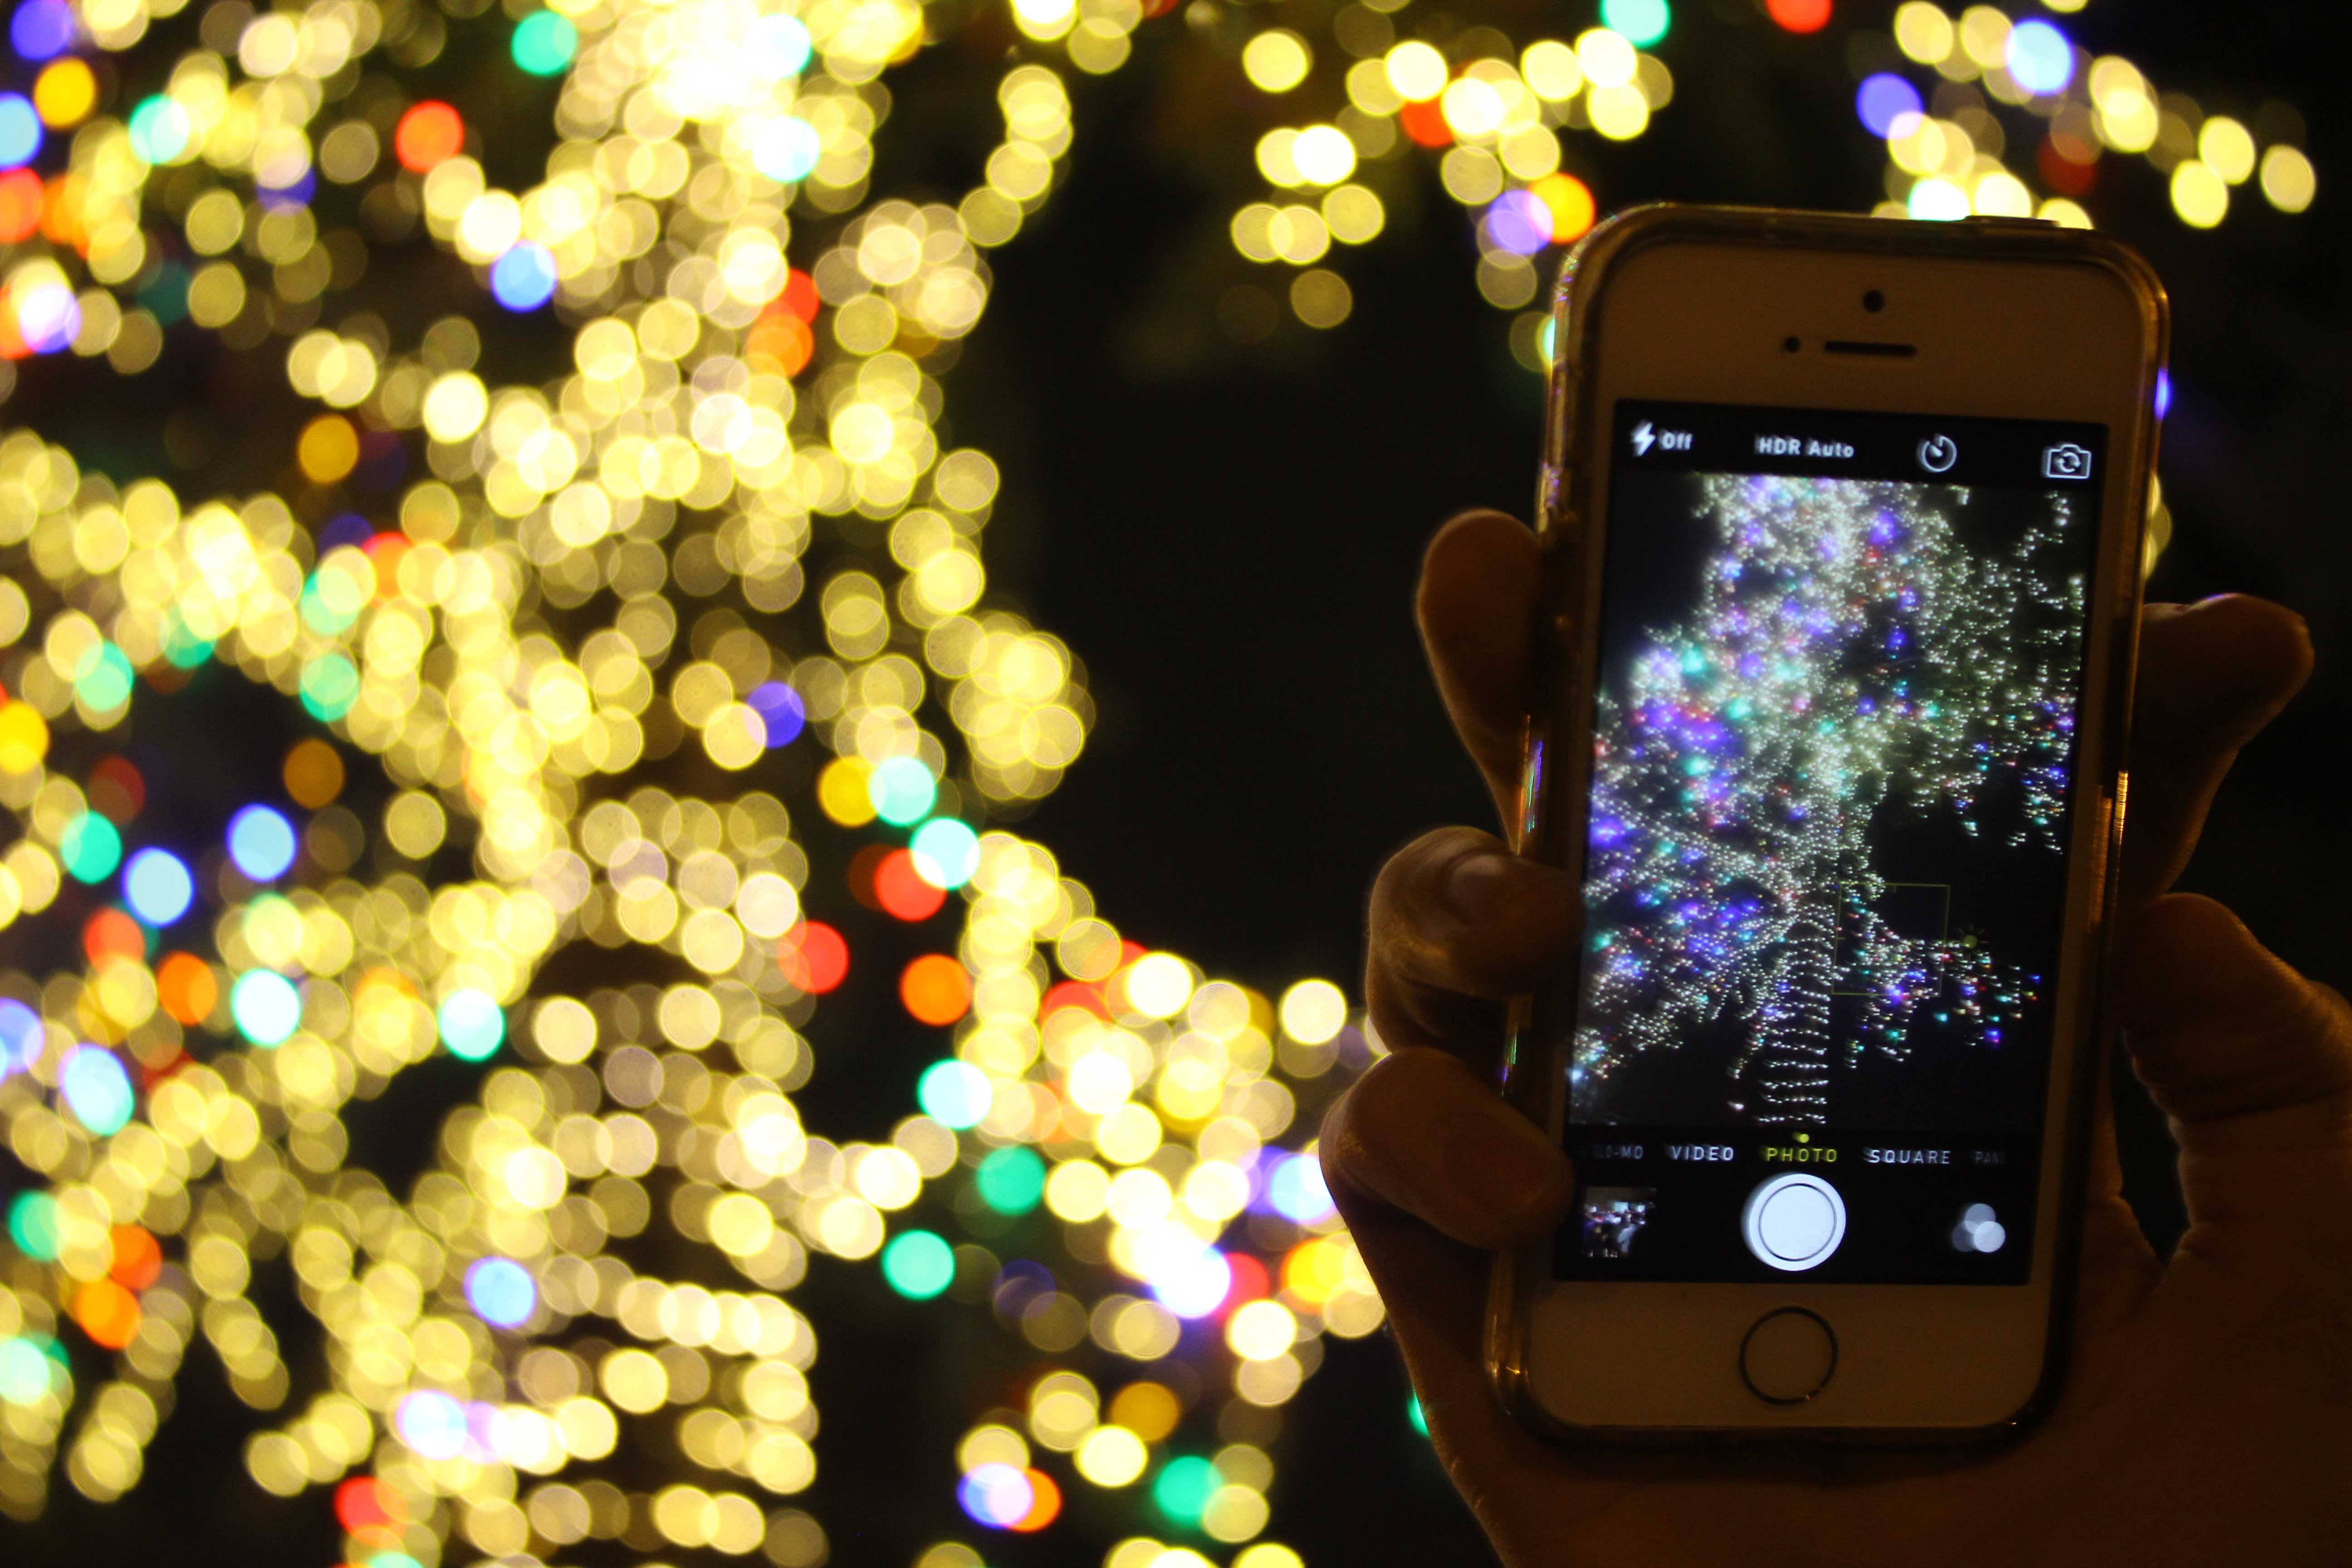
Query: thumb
x=2251 y=1061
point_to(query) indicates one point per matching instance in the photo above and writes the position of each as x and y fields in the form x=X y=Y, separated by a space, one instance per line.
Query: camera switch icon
x=2067 y=461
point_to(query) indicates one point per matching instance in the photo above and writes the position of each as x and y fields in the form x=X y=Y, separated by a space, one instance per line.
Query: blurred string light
x=735 y=426
x=1520 y=134
x=2016 y=120
x=730 y=528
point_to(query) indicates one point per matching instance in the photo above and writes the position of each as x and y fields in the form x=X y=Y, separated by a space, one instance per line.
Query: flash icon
x=1643 y=439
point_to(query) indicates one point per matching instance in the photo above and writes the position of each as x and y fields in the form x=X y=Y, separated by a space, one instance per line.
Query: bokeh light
x=2039 y=56
x=157 y=887
x=266 y=1006
x=96 y=1089
x=502 y=1292
x=472 y=1025
x=545 y=43
x=261 y=841
x=918 y=1264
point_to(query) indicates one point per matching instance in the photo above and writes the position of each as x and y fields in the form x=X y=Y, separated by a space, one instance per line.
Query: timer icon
x=1938 y=453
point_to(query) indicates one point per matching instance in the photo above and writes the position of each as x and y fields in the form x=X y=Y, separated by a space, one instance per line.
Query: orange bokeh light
x=20 y=205
x=428 y=135
x=934 y=989
x=107 y=1312
x=137 y=1257
x=186 y=987
x=1046 y=1506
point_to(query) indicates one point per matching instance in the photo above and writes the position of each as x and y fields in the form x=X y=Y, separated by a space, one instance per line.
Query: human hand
x=2207 y=1417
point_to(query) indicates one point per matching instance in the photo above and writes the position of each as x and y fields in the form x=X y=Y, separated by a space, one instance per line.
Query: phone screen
x=1841 y=660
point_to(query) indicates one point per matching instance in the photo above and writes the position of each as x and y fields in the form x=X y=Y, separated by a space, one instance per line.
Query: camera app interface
x=1834 y=741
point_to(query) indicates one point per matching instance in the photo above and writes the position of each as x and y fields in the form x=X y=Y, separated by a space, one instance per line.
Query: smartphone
x=1843 y=526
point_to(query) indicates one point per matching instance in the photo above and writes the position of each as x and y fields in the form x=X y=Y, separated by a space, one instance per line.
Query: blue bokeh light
x=42 y=29
x=22 y=1037
x=1297 y=1190
x=20 y=130
x=786 y=148
x=781 y=711
x=261 y=842
x=1882 y=100
x=2163 y=392
x=501 y=1292
x=431 y=1423
x=524 y=278
x=2040 y=57
x=157 y=886
x=96 y=1089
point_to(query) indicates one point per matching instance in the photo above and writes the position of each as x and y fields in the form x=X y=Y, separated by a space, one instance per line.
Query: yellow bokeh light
x=1323 y=155
x=2200 y=196
x=1416 y=71
x=1923 y=31
x=1112 y=1456
x=1275 y=60
x=1260 y=1330
x=65 y=93
x=1157 y=985
x=842 y=794
x=328 y=450
x=1605 y=58
x=1552 y=71
x=1313 y=1011
x=2228 y=148
x=2288 y=180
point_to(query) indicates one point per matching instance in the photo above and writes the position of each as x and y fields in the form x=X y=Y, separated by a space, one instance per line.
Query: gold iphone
x=1842 y=522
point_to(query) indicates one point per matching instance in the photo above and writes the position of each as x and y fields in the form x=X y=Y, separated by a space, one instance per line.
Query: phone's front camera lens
x=1873 y=301
x=1790 y=345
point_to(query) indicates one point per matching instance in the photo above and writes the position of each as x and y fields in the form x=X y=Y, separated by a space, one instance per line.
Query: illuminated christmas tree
x=1852 y=657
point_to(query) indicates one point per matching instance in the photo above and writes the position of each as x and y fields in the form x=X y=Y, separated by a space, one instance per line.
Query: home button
x=1788 y=1357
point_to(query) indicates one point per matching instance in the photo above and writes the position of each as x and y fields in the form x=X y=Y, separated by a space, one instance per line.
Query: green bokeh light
x=32 y=1226
x=1183 y=1488
x=91 y=847
x=902 y=790
x=1643 y=22
x=329 y=686
x=918 y=1264
x=1011 y=1180
x=472 y=1024
x=545 y=42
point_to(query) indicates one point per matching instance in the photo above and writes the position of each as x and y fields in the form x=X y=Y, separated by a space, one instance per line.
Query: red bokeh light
x=814 y=957
x=1798 y=15
x=901 y=890
x=21 y=199
x=110 y=934
x=1426 y=122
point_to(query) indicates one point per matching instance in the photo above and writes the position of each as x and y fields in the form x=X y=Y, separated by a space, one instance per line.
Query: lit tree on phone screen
x=1849 y=656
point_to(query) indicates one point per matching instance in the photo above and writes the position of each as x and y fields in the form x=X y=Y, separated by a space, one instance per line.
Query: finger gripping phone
x=1842 y=527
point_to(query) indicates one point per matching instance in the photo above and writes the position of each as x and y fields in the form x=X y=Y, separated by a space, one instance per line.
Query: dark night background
x=1227 y=539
